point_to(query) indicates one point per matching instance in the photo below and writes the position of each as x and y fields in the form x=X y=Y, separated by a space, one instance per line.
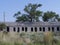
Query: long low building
x=32 y=26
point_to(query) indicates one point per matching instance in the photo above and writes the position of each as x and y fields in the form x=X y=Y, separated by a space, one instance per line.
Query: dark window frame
x=40 y=29
x=8 y=29
x=48 y=28
x=22 y=28
x=18 y=30
x=52 y=29
x=31 y=29
x=35 y=29
x=14 y=29
x=25 y=29
x=58 y=29
x=43 y=29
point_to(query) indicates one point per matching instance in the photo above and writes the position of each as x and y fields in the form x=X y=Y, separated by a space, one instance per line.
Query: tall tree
x=50 y=16
x=17 y=14
x=20 y=17
x=31 y=13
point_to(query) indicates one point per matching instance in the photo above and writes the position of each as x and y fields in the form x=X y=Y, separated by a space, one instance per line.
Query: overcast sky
x=12 y=6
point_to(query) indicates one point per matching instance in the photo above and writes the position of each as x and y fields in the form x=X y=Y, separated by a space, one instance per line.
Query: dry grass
x=10 y=38
x=13 y=38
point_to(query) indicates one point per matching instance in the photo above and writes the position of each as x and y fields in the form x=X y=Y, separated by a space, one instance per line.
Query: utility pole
x=4 y=17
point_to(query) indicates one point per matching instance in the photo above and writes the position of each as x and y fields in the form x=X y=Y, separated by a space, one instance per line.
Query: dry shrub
x=48 y=38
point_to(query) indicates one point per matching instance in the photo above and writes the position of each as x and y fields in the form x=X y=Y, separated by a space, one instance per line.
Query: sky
x=10 y=7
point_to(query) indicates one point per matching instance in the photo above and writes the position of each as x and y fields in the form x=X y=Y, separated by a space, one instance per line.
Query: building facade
x=32 y=26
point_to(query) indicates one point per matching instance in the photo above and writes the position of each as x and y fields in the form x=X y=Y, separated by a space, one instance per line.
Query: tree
x=58 y=19
x=32 y=11
x=2 y=26
x=17 y=14
x=50 y=16
x=32 y=14
x=20 y=17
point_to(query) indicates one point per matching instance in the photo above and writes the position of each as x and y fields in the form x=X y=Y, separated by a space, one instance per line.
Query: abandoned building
x=32 y=26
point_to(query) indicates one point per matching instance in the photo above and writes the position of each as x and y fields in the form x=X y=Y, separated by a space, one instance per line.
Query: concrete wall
x=33 y=24
x=29 y=29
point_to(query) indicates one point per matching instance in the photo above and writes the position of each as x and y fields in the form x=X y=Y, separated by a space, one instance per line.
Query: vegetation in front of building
x=2 y=26
x=14 y=38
